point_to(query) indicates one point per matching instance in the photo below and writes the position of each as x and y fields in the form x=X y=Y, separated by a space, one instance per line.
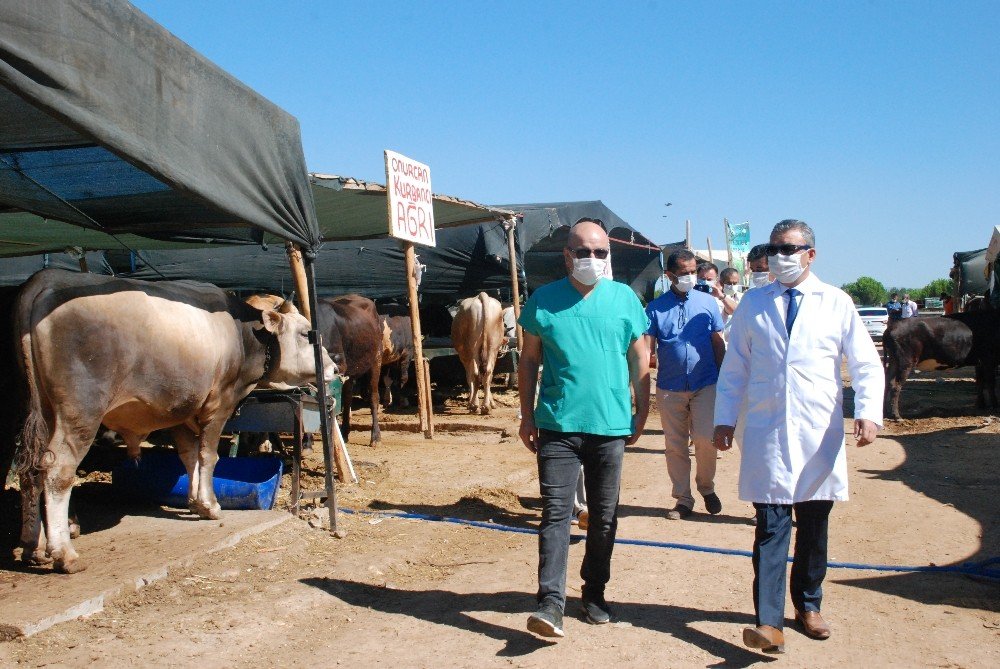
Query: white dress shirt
x=793 y=441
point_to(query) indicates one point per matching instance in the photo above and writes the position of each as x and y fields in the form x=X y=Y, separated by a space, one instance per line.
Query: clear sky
x=876 y=122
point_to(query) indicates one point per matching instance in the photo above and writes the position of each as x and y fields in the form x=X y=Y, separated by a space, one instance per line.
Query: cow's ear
x=272 y=321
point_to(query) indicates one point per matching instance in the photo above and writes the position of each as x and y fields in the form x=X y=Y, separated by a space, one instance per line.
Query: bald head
x=584 y=238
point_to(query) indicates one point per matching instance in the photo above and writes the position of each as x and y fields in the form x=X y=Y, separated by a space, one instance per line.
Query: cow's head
x=292 y=362
x=272 y=302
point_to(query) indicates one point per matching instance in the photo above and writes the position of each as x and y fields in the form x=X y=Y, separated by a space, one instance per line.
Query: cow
x=137 y=357
x=397 y=354
x=925 y=344
x=477 y=334
x=352 y=335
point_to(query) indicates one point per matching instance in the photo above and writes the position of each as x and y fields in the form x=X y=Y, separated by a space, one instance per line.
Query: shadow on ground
x=444 y=607
x=956 y=468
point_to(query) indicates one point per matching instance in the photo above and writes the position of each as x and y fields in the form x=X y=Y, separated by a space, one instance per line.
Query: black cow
x=985 y=355
x=925 y=344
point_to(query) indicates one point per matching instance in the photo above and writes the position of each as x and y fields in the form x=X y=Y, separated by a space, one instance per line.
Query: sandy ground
x=411 y=593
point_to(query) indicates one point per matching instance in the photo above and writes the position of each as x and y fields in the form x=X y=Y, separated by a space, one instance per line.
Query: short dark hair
x=705 y=266
x=757 y=252
x=676 y=257
x=795 y=224
x=729 y=272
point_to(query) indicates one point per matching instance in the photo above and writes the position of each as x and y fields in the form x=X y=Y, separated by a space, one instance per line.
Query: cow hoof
x=213 y=512
x=375 y=443
x=484 y=411
x=37 y=557
x=72 y=567
x=74 y=531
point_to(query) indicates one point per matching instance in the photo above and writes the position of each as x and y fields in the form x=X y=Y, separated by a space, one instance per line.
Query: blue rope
x=969 y=568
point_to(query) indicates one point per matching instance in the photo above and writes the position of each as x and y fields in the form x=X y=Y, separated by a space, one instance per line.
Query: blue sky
x=876 y=122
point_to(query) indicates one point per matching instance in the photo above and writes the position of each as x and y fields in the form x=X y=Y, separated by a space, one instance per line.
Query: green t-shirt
x=585 y=378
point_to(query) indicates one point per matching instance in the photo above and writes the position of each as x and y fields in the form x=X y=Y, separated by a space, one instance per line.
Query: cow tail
x=481 y=353
x=34 y=435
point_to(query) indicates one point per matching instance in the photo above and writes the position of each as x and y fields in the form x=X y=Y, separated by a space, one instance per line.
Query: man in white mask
x=760 y=275
x=588 y=332
x=686 y=331
x=786 y=343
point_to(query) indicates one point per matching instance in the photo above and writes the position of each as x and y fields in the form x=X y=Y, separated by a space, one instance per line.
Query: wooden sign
x=411 y=203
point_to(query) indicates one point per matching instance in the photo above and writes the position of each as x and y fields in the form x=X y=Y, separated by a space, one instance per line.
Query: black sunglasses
x=600 y=254
x=785 y=249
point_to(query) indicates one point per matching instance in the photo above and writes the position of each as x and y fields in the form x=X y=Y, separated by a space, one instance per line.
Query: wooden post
x=729 y=244
x=687 y=238
x=509 y=225
x=83 y=263
x=423 y=391
x=711 y=258
x=299 y=276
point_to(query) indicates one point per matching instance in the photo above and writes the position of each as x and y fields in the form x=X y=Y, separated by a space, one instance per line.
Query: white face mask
x=730 y=289
x=786 y=268
x=686 y=283
x=589 y=271
x=758 y=279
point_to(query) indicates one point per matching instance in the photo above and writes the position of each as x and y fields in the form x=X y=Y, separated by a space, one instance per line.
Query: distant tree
x=866 y=291
x=938 y=286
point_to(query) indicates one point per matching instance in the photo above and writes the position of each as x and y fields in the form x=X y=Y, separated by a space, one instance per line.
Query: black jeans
x=770 y=557
x=560 y=455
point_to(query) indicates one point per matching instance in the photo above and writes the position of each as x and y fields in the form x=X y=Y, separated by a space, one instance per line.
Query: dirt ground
x=412 y=593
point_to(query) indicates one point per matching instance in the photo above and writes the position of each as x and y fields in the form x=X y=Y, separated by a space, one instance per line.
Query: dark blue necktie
x=793 y=309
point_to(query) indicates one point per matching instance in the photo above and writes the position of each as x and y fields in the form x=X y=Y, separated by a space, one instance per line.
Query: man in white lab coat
x=785 y=350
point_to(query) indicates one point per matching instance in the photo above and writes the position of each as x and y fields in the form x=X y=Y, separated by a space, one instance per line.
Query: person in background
x=588 y=332
x=909 y=307
x=729 y=281
x=949 y=303
x=788 y=340
x=686 y=332
x=757 y=262
x=895 y=308
x=708 y=282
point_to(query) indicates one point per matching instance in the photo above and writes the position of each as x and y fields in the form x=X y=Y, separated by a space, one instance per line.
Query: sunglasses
x=600 y=254
x=785 y=249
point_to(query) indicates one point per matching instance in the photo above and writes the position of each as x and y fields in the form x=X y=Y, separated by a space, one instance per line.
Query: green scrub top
x=585 y=378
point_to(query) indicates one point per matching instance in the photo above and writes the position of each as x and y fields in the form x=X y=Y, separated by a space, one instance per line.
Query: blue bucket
x=160 y=477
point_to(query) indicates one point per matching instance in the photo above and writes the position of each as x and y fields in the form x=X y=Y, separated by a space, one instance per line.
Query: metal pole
x=423 y=391
x=509 y=225
x=316 y=339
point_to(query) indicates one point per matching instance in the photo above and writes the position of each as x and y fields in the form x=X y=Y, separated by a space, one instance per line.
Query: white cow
x=477 y=334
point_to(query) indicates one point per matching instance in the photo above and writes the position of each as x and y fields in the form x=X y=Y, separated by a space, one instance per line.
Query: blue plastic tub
x=160 y=477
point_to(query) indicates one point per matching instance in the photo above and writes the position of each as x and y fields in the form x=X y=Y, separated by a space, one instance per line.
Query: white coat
x=793 y=442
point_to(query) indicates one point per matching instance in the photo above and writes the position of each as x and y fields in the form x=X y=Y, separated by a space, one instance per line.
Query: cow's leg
x=32 y=544
x=981 y=385
x=208 y=454
x=346 y=393
x=472 y=377
x=376 y=375
x=404 y=378
x=68 y=447
x=895 y=375
x=387 y=386
x=487 y=382
x=187 y=450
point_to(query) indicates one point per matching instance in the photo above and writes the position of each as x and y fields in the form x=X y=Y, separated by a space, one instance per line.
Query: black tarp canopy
x=544 y=228
x=112 y=123
x=969 y=272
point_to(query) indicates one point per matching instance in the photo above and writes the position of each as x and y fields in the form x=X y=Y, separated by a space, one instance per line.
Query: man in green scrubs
x=586 y=333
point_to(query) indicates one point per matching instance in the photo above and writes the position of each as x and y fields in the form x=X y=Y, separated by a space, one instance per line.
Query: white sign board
x=411 y=204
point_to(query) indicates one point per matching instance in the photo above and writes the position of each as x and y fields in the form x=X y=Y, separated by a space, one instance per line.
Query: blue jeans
x=770 y=557
x=560 y=455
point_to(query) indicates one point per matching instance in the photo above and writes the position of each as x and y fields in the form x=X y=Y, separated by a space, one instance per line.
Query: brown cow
x=138 y=357
x=477 y=334
x=397 y=354
x=352 y=334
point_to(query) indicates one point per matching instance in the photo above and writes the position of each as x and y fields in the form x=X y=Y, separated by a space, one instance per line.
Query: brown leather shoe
x=766 y=638
x=813 y=624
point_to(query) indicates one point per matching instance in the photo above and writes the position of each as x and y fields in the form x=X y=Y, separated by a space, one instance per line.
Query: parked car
x=876 y=319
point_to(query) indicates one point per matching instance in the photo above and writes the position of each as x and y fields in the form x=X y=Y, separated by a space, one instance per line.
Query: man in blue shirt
x=588 y=331
x=686 y=333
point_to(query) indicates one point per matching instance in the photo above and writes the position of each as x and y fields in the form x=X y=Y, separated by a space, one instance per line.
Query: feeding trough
x=160 y=477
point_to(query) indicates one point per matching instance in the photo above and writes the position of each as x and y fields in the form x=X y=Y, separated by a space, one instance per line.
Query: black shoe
x=546 y=621
x=595 y=610
x=679 y=512
x=713 y=504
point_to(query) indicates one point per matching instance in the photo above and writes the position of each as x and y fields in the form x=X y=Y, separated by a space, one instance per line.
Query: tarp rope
x=982 y=569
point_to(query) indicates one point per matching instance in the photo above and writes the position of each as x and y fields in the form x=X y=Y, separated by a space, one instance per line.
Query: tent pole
x=509 y=225
x=302 y=289
x=729 y=243
x=687 y=239
x=423 y=391
x=316 y=338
